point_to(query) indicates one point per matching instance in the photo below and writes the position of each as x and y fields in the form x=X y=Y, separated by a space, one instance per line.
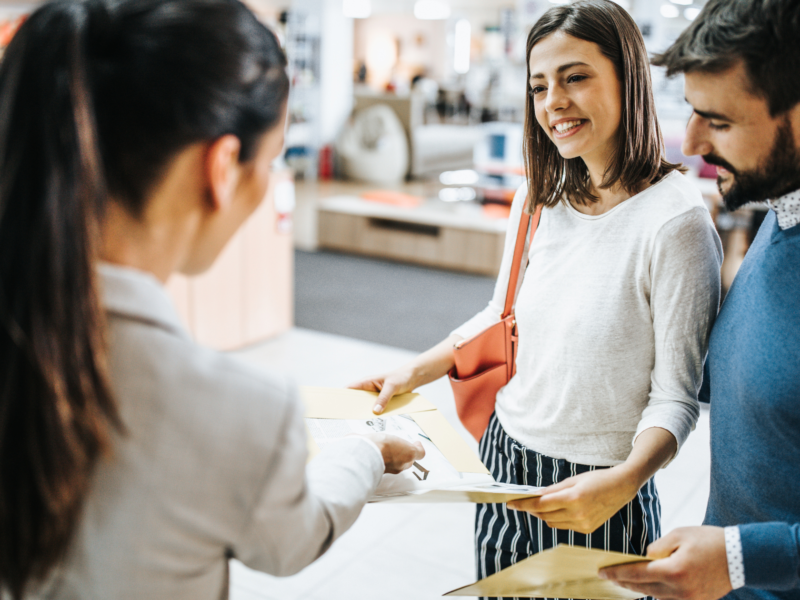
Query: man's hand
x=692 y=565
x=398 y=454
x=581 y=503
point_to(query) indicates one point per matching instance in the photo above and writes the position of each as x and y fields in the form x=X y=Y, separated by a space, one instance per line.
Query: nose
x=696 y=141
x=556 y=99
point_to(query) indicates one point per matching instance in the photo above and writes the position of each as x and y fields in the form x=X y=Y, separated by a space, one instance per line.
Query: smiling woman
x=613 y=312
x=591 y=97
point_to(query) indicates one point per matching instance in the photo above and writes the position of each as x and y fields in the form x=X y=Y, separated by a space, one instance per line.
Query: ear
x=222 y=170
x=794 y=119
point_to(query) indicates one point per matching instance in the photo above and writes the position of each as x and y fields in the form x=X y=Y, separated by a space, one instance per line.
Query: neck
x=156 y=248
x=608 y=198
x=160 y=240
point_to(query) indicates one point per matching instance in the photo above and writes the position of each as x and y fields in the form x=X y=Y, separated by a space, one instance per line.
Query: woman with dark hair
x=133 y=463
x=614 y=309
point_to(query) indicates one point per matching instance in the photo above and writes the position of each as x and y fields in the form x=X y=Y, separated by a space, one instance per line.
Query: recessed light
x=669 y=11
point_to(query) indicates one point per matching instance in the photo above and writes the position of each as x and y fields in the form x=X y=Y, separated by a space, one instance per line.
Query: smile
x=567 y=128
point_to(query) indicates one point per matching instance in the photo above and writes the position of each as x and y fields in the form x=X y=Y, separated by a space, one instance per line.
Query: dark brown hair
x=639 y=155
x=764 y=34
x=96 y=97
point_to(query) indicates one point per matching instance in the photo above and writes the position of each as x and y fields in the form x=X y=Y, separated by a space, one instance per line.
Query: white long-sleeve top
x=614 y=313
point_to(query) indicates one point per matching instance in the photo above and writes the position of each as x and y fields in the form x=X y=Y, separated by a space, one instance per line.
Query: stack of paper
x=450 y=471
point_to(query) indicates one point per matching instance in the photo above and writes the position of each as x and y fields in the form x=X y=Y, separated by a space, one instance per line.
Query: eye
x=717 y=126
x=536 y=89
x=575 y=78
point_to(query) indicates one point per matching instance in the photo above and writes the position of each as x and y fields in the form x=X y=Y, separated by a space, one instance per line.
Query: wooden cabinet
x=434 y=234
x=248 y=294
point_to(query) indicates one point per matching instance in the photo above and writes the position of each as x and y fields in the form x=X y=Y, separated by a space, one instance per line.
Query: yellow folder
x=562 y=572
x=336 y=403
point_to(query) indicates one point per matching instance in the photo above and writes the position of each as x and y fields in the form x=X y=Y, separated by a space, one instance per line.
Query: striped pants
x=503 y=537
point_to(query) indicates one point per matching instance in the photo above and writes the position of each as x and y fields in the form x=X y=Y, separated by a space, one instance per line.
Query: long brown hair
x=96 y=98
x=639 y=155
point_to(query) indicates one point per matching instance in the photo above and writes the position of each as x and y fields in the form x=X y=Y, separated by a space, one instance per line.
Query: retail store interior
x=383 y=229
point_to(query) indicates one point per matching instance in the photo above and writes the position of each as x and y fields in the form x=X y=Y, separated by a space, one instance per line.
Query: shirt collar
x=137 y=295
x=787 y=209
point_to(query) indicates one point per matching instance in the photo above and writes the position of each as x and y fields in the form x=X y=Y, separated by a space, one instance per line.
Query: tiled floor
x=415 y=551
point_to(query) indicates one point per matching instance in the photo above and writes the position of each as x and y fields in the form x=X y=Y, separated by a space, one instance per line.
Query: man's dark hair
x=763 y=34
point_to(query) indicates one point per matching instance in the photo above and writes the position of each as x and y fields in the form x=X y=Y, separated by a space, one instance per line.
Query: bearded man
x=741 y=60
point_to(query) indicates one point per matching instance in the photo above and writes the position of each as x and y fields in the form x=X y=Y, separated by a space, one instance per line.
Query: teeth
x=566 y=126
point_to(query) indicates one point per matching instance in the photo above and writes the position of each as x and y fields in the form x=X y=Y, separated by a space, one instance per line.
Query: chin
x=568 y=154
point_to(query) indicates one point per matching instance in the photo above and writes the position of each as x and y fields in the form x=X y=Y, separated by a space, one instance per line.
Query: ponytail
x=57 y=414
x=96 y=98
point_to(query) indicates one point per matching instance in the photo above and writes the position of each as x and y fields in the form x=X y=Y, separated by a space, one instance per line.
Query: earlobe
x=222 y=170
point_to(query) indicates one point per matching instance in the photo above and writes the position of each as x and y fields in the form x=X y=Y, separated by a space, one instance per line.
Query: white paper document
x=432 y=478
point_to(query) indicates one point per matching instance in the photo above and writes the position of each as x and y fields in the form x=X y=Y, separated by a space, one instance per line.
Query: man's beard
x=779 y=174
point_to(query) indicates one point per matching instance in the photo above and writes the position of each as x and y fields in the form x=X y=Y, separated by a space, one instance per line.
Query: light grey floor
x=422 y=551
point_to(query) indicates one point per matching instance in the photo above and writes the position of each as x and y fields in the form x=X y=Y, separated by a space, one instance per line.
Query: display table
x=440 y=234
x=248 y=294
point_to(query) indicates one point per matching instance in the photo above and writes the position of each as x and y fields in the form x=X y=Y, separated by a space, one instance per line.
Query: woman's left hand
x=584 y=502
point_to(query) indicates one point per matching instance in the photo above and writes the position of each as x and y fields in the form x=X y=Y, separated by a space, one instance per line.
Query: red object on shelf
x=326 y=162
x=393 y=198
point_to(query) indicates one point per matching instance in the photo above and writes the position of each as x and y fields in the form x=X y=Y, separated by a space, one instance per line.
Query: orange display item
x=8 y=28
x=394 y=198
x=496 y=211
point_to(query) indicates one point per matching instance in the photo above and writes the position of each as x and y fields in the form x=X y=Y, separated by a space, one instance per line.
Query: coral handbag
x=486 y=362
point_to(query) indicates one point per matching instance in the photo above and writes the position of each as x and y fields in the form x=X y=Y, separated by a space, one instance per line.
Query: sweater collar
x=137 y=295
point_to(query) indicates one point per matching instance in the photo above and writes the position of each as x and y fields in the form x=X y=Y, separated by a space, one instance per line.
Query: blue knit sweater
x=753 y=384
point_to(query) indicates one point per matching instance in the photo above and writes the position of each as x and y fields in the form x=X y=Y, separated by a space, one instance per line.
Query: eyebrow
x=561 y=69
x=712 y=115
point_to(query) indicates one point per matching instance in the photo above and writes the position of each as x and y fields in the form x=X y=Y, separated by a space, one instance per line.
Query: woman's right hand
x=427 y=367
x=397 y=382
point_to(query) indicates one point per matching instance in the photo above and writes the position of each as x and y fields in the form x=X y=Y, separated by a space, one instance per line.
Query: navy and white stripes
x=503 y=537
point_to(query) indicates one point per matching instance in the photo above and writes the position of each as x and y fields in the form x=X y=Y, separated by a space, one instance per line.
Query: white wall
x=422 y=44
x=336 y=70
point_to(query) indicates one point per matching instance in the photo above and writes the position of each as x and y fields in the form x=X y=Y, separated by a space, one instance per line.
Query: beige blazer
x=212 y=466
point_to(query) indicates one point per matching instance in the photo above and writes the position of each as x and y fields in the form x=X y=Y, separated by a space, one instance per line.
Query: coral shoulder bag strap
x=486 y=362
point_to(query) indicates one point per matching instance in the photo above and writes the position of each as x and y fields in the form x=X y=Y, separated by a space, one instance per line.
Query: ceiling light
x=669 y=11
x=682 y=2
x=357 y=9
x=691 y=13
x=431 y=9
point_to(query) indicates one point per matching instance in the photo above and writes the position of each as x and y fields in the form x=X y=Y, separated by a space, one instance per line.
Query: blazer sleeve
x=302 y=509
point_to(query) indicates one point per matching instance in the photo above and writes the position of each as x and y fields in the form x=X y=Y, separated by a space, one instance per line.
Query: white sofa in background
x=432 y=148
x=373 y=146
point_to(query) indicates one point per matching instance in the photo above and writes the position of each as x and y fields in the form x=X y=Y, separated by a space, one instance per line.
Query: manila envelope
x=337 y=403
x=561 y=572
